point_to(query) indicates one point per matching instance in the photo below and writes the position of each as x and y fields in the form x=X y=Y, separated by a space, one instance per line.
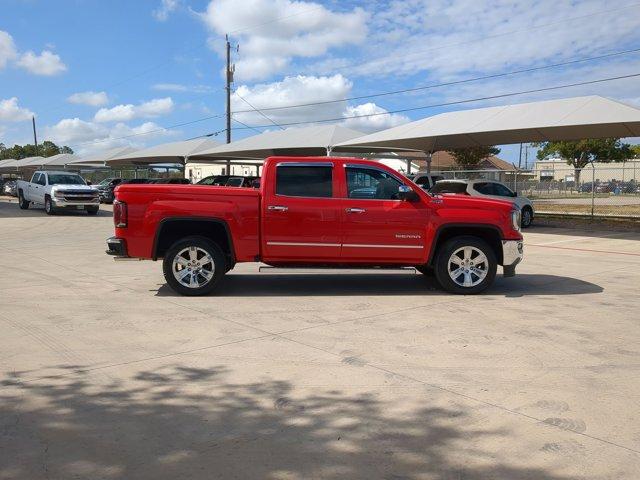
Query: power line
x=459 y=102
x=248 y=126
x=255 y=109
x=423 y=107
x=445 y=84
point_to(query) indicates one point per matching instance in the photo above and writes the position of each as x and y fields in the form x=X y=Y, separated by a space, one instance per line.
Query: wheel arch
x=489 y=233
x=172 y=229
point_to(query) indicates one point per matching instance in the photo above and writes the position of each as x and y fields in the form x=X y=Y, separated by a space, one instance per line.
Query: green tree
x=472 y=156
x=45 y=149
x=635 y=151
x=579 y=153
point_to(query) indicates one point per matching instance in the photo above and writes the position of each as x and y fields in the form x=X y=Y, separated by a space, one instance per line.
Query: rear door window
x=485 y=188
x=304 y=180
x=449 y=187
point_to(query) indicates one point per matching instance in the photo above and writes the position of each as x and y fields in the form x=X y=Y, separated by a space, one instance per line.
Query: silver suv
x=489 y=189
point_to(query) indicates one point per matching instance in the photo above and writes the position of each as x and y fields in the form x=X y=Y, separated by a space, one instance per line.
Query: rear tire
x=465 y=265
x=527 y=217
x=48 y=206
x=194 y=265
x=24 y=204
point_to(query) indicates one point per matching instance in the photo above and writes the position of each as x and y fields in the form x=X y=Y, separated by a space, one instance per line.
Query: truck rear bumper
x=117 y=247
x=512 y=255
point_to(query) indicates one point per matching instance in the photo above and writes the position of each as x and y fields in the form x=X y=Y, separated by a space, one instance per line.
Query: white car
x=489 y=189
x=58 y=191
x=426 y=181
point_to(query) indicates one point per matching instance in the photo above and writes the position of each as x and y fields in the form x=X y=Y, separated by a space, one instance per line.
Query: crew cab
x=58 y=191
x=316 y=211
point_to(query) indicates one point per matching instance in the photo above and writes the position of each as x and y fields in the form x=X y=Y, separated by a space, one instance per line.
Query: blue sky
x=99 y=74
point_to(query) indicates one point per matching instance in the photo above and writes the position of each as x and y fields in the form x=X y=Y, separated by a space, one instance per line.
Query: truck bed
x=149 y=205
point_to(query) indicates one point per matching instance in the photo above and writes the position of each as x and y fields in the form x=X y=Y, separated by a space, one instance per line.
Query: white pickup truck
x=58 y=191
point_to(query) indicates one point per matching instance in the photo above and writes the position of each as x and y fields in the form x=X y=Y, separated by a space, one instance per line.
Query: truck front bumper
x=62 y=203
x=512 y=255
x=117 y=247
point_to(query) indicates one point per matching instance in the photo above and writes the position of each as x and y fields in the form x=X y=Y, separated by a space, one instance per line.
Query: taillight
x=119 y=214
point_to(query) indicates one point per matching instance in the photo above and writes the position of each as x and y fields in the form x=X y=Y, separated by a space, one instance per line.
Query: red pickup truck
x=316 y=211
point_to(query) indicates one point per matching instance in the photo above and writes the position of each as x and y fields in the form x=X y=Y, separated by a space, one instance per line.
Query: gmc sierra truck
x=316 y=211
x=58 y=191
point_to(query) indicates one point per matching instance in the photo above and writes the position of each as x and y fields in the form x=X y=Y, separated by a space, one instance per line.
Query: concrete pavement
x=106 y=373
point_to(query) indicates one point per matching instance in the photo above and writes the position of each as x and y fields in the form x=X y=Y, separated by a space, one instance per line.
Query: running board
x=269 y=269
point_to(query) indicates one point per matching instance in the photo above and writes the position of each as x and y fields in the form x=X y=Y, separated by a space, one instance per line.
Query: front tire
x=193 y=266
x=92 y=210
x=465 y=265
x=48 y=206
x=24 y=204
x=527 y=217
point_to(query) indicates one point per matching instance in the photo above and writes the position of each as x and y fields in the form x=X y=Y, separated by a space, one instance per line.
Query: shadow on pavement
x=347 y=284
x=176 y=423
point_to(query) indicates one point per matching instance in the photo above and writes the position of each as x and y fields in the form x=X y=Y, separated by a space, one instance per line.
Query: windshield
x=104 y=182
x=65 y=179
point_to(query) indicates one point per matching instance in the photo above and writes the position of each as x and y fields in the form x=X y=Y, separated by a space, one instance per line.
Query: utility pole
x=35 y=137
x=229 y=80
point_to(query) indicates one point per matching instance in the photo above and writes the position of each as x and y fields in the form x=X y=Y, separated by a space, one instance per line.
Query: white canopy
x=60 y=160
x=314 y=140
x=29 y=162
x=565 y=119
x=104 y=156
x=175 y=152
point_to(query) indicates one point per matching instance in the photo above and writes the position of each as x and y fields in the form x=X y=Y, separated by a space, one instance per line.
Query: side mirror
x=406 y=194
x=515 y=194
x=89 y=182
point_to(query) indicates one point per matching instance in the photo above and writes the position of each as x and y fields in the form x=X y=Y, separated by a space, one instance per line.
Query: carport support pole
x=429 y=162
x=593 y=188
x=408 y=166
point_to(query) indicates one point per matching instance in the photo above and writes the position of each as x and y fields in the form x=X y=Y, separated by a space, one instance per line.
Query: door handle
x=278 y=208
x=354 y=210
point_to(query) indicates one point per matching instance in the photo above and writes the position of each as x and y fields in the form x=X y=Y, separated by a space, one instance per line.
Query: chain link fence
x=610 y=191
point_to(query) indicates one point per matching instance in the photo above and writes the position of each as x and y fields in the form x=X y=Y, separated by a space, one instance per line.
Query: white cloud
x=93 y=99
x=290 y=91
x=165 y=9
x=47 y=63
x=86 y=137
x=428 y=36
x=369 y=117
x=123 y=113
x=274 y=32
x=304 y=90
x=7 y=49
x=10 y=111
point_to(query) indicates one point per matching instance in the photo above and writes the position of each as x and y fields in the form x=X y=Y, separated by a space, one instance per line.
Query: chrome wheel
x=193 y=267
x=468 y=266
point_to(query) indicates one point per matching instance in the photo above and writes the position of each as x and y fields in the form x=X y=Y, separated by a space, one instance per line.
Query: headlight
x=58 y=194
x=516 y=220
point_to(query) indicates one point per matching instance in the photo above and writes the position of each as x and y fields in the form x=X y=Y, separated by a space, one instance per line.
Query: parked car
x=219 y=180
x=425 y=180
x=106 y=188
x=170 y=181
x=230 y=181
x=488 y=189
x=306 y=214
x=58 y=191
x=135 y=181
x=9 y=188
